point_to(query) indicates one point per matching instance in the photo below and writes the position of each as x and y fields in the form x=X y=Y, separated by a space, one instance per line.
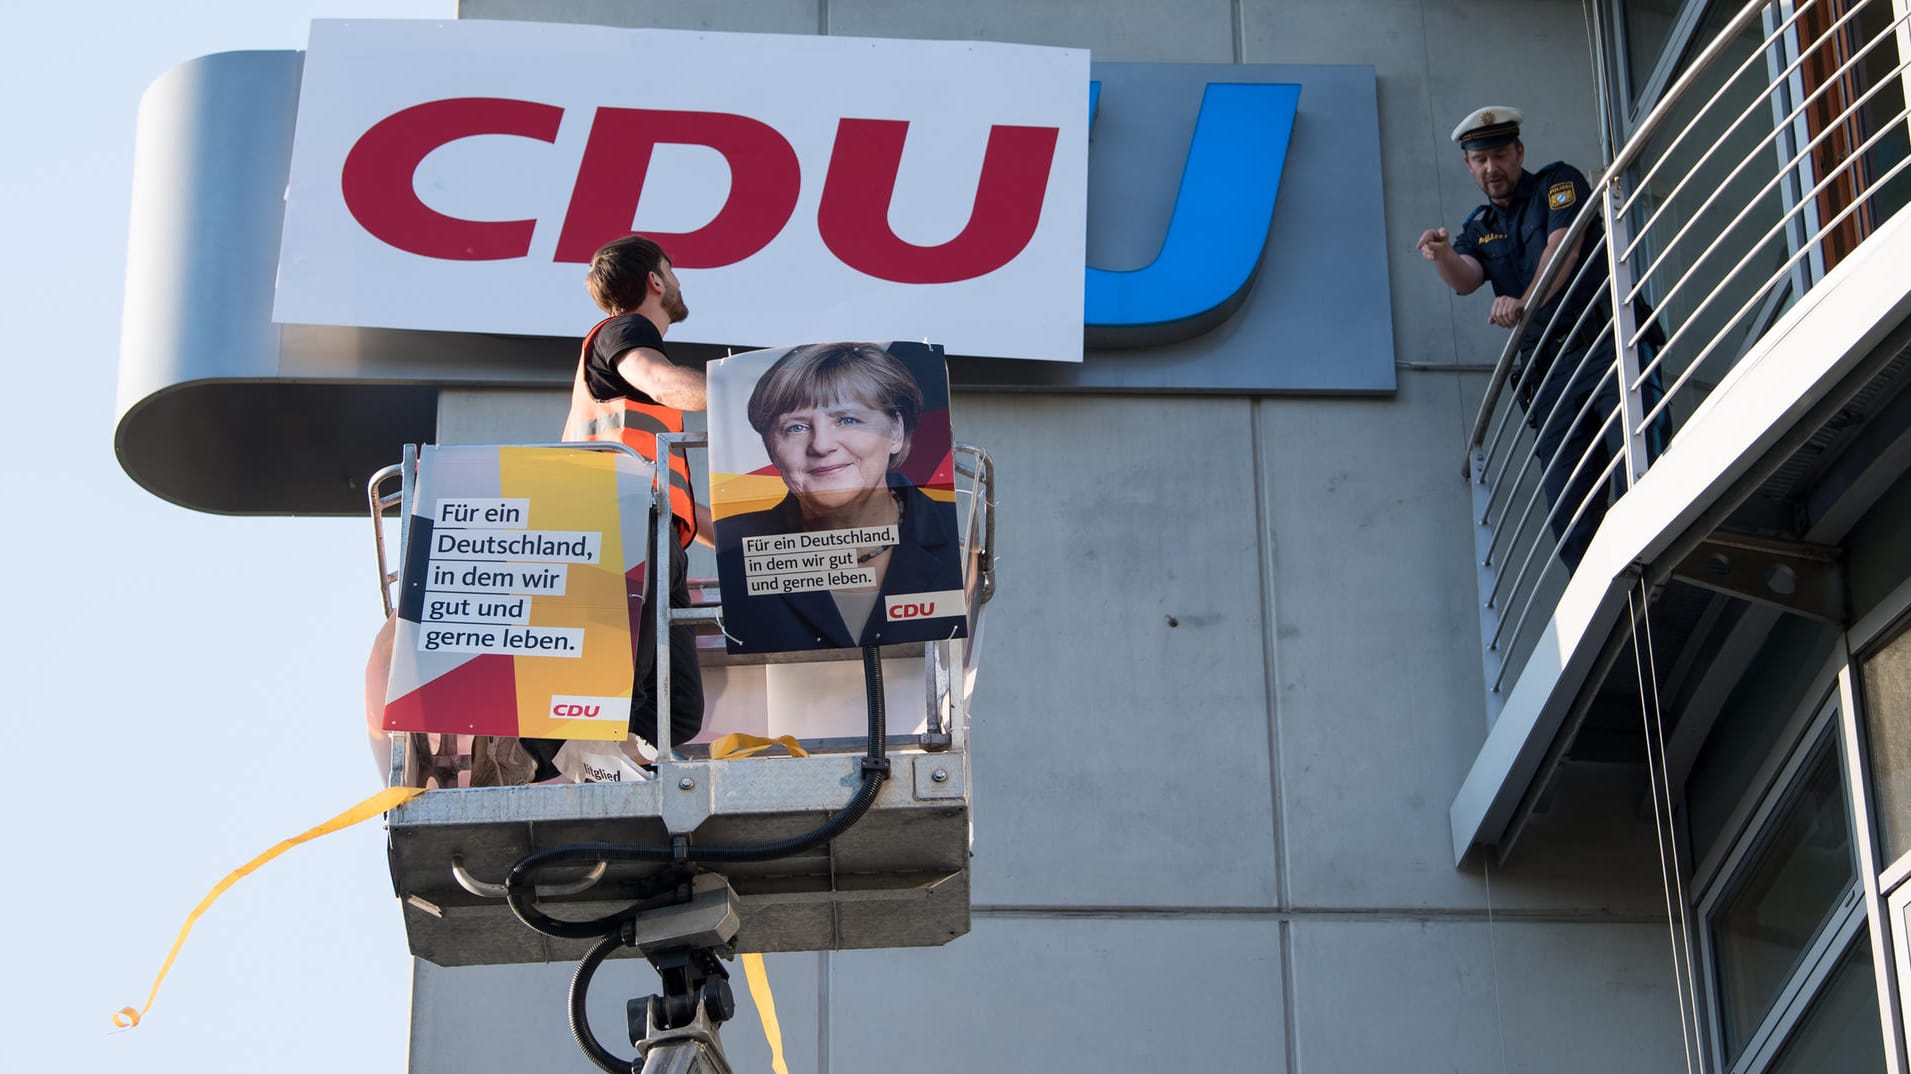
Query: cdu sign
x=430 y=192
x=454 y=176
x=1236 y=235
x=1217 y=228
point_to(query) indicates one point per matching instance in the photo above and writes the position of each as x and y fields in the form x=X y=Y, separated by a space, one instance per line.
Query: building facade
x=1294 y=749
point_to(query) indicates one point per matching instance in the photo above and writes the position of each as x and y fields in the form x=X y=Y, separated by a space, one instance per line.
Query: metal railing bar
x=1627 y=154
x=1596 y=254
x=1778 y=127
x=983 y=497
x=1546 y=520
x=1551 y=412
x=1764 y=96
x=1777 y=230
x=1506 y=413
x=1784 y=270
x=1707 y=56
x=378 y=503
x=1784 y=221
x=1713 y=271
x=1532 y=595
x=1503 y=366
x=1520 y=539
x=1783 y=170
x=1579 y=324
x=1803 y=201
x=1539 y=486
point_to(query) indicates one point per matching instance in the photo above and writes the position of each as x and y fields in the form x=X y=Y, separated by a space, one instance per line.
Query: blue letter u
x=1219 y=227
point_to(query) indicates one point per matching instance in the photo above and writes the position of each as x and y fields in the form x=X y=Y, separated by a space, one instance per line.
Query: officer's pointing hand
x=1433 y=242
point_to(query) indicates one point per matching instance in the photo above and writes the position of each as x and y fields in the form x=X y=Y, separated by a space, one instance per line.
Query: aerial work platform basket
x=896 y=877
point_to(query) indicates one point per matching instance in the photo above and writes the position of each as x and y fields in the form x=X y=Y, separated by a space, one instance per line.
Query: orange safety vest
x=636 y=425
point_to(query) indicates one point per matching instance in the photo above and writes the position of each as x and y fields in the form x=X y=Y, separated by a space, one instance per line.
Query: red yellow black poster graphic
x=523 y=569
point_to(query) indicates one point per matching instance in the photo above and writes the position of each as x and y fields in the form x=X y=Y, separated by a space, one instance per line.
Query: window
x=1797 y=872
x=1841 y=1030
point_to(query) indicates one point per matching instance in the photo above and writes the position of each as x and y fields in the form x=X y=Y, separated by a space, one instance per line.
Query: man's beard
x=674 y=307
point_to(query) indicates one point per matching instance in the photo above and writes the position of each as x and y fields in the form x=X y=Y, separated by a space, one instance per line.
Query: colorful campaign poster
x=523 y=568
x=832 y=483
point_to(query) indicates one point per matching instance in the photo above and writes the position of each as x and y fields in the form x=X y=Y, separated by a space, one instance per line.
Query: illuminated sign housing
x=221 y=408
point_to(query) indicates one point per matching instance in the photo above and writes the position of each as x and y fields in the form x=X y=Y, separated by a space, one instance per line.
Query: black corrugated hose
x=606 y=1060
x=520 y=894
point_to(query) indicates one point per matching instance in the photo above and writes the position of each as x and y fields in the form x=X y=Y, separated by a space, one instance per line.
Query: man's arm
x=1461 y=272
x=650 y=372
x=1507 y=309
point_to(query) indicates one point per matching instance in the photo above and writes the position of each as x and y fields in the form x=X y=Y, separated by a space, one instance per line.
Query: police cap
x=1488 y=127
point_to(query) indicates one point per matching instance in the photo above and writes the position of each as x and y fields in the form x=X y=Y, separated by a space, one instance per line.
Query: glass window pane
x=1647 y=24
x=1750 y=725
x=1887 y=703
x=1841 y=1031
x=1880 y=67
x=1711 y=234
x=1788 y=885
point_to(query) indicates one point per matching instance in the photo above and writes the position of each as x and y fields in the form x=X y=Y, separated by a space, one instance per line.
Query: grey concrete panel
x=1393 y=41
x=508 y=1019
x=1380 y=704
x=1067 y=995
x=1546 y=73
x=1370 y=538
x=1120 y=752
x=1188 y=31
x=1434 y=995
x=757 y=16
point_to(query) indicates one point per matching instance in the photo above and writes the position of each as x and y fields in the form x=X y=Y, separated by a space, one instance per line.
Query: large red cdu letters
x=764 y=181
x=378 y=177
x=854 y=215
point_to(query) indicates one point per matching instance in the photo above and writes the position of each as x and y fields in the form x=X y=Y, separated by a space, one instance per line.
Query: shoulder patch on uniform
x=1560 y=195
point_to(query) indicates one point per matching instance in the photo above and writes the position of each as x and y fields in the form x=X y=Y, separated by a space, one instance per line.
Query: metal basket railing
x=1777 y=151
x=949 y=672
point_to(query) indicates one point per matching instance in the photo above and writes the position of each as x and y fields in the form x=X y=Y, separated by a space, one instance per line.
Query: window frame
x=1833 y=932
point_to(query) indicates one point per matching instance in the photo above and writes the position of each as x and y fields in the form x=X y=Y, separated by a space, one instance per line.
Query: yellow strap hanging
x=738 y=744
x=383 y=801
x=765 y=1009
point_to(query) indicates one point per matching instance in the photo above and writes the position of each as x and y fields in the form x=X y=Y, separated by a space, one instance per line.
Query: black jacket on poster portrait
x=927 y=559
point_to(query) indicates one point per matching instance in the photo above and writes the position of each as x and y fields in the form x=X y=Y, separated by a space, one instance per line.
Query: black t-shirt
x=618 y=335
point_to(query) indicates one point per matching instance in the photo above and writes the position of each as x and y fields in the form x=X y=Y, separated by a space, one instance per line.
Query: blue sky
x=187 y=688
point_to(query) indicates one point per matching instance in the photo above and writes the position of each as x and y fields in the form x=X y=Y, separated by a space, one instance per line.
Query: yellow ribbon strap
x=383 y=801
x=738 y=744
x=765 y=1008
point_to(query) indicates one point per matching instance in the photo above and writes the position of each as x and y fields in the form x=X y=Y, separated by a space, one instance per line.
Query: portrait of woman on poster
x=838 y=421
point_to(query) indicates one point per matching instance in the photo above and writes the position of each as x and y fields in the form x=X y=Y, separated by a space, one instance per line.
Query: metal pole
x=659 y=596
x=1632 y=409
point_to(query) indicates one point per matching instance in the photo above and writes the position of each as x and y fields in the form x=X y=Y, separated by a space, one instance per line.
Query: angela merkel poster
x=832 y=488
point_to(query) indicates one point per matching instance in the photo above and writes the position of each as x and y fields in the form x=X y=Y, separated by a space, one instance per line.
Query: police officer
x=1506 y=242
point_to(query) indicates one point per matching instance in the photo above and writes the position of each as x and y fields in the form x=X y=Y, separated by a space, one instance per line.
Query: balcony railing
x=1777 y=151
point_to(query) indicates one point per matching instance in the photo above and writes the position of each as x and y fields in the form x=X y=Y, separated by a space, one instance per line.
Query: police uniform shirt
x=1508 y=242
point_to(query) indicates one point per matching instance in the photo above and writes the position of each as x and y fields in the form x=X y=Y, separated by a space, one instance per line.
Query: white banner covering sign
x=456 y=176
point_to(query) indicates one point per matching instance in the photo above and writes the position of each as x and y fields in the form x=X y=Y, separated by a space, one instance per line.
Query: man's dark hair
x=619 y=277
